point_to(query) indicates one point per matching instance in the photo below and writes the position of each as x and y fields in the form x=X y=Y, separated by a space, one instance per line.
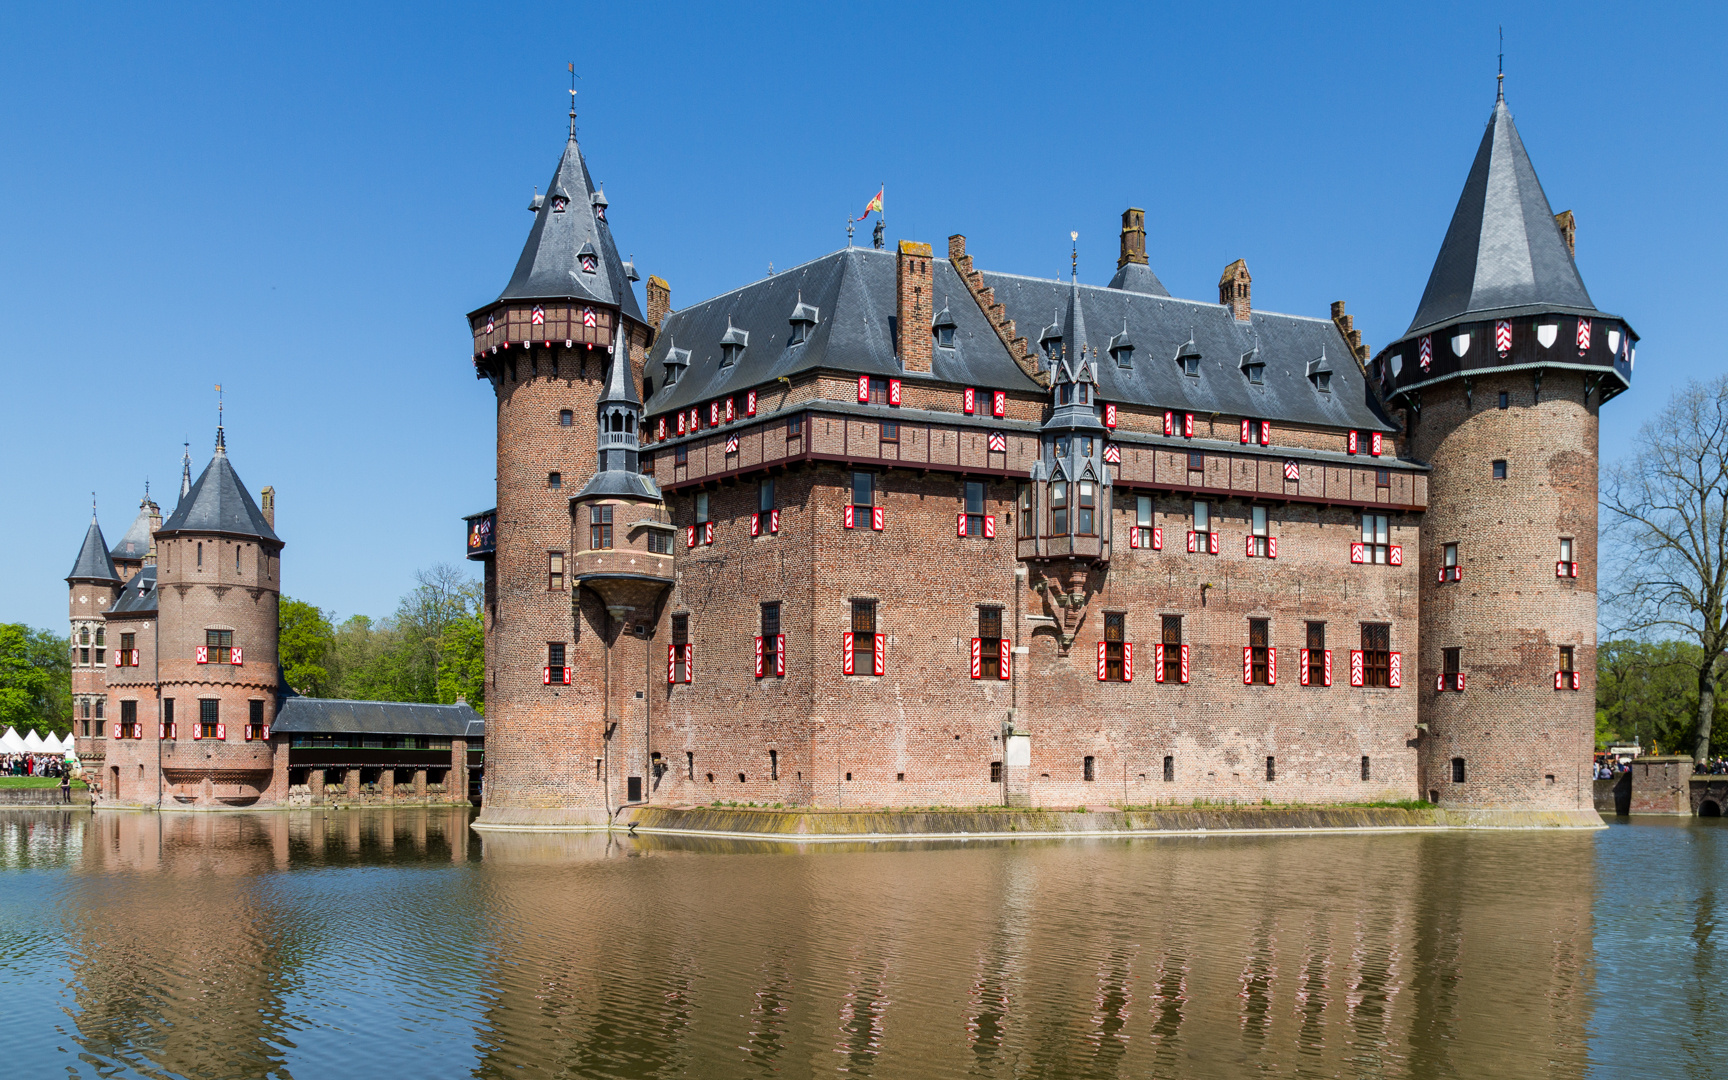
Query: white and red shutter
x=877 y=518
x=1188 y=425
x=266 y=732
x=1134 y=537
x=236 y=656
x=1577 y=678
x=1247 y=426
x=707 y=532
x=671 y=664
x=1193 y=541
x=750 y=403
x=1326 y=668
x=846 y=654
x=1006 y=652
x=1374 y=444
x=1571 y=567
x=1358 y=552
x=568 y=673
x=999 y=403
x=202 y=654
x=756 y=524
x=881 y=654
x=779 y=654
x=758 y=656
x=1109 y=414
x=680 y=422
x=893 y=391
x=774 y=521
x=1213 y=538
x=1272 y=665
x=1184 y=674
x=731 y=415
x=960 y=524
x=969 y=400
x=989 y=526
x=1247 y=664
x=117 y=724
x=1169 y=422
x=1265 y=433
x=1356 y=667
x=689 y=536
x=1158 y=663
x=690 y=662
x=1102 y=669
x=1157 y=538
x=1250 y=545
x=1128 y=661
x=197 y=731
x=1558 y=675
x=848 y=515
x=1395 y=671
x=546 y=676
x=1271 y=547
x=222 y=731
x=1583 y=335
x=1350 y=442
x=660 y=428
x=713 y=414
x=863 y=388
x=1302 y=667
x=1460 y=680
x=1395 y=556
x=977 y=658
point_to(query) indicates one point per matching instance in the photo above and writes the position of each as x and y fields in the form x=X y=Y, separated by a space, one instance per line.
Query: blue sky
x=301 y=201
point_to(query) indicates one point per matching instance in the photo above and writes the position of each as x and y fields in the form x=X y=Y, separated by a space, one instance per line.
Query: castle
x=889 y=529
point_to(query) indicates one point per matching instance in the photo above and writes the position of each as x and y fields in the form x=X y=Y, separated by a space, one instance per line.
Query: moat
x=332 y=943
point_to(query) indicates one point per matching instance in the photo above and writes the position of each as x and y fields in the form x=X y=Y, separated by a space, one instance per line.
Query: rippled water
x=400 y=942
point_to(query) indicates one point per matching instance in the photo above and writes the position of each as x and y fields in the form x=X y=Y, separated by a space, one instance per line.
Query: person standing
x=65 y=786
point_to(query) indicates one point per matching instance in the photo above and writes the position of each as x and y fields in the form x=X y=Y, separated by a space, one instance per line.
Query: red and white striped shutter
x=756 y=524
x=1250 y=545
x=1134 y=537
x=846 y=653
x=1571 y=567
x=758 y=656
x=1184 y=663
x=731 y=415
x=1272 y=666
x=197 y=731
x=689 y=536
x=568 y=673
x=222 y=731
x=881 y=654
x=1158 y=663
x=1169 y=422
x=1004 y=661
x=848 y=515
x=1214 y=542
x=117 y=723
x=1188 y=425
x=135 y=651
x=1460 y=680
x=707 y=532
x=1271 y=547
x=202 y=654
x=780 y=654
x=990 y=527
x=1157 y=538
x=690 y=662
x=680 y=422
x=1439 y=683
x=774 y=521
x=660 y=428
x=1247 y=664
x=1442 y=574
x=1557 y=677
x=1577 y=679
x=977 y=658
x=968 y=399
x=1350 y=442
x=877 y=518
x=1358 y=553
x=1355 y=667
x=1326 y=668
x=546 y=676
x=695 y=418
x=266 y=732
x=713 y=414
x=750 y=403
x=1265 y=433
x=1128 y=661
x=1193 y=542
x=1374 y=444
x=1101 y=668
x=1246 y=425
x=863 y=388
x=960 y=524
x=893 y=391
x=1395 y=557
x=1302 y=667
x=1395 y=671
x=1559 y=569
x=1110 y=415
x=999 y=403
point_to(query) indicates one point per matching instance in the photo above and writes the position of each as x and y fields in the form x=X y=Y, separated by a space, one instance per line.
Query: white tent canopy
x=10 y=743
x=32 y=742
x=51 y=745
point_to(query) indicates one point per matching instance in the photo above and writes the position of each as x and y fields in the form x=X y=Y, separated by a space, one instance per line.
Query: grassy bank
x=13 y=782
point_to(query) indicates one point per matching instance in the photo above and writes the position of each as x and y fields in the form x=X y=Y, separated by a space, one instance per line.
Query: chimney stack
x=1568 y=230
x=1133 y=237
x=913 y=306
x=1233 y=289
x=267 y=497
x=659 y=302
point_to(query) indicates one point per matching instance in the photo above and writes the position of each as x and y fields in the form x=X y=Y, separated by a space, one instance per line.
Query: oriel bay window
x=770 y=644
x=863 y=650
x=600 y=527
x=1259 y=658
x=1115 y=654
x=1058 y=507
x=1171 y=662
x=1087 y=524
x=1028 y=525
x=990 y=649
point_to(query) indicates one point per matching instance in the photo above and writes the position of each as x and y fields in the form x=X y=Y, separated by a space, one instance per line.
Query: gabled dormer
x=803 y=320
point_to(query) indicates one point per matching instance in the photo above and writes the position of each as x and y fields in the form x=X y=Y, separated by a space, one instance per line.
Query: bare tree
x=1667 y=512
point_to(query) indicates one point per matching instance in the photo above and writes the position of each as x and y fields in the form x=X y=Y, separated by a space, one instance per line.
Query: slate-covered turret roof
x=139 y=595
x=219 y=503
x=1138 y=277
x=93 y=563
x=136 y=543
x=1503 y=253
x=567 y=220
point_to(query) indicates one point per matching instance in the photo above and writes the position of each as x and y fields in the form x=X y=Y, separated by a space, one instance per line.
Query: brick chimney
x=1234 y=287
x=659 y=302
x=1568 y=230
x=1133 y=237
x=912 y=294
x=267 y=503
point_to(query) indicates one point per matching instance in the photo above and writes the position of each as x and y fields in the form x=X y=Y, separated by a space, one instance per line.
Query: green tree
x=35 y=679
x=462 y=663
x=1648 y=690
x=306 y=642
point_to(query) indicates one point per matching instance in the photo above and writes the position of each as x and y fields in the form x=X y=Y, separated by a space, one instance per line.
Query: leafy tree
x=1647 y=690
x=35 y=679
x=305 y=644
x=462 y=663
x=1668 y=504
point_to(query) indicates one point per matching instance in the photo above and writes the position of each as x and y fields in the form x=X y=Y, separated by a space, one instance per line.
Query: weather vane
x=573 y=78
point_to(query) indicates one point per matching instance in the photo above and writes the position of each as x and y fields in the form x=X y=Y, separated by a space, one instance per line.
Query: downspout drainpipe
x=156 y=677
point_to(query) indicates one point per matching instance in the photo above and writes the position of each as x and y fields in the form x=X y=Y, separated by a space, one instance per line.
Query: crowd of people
x=1717 y=766
x=1608 y=767
x=32 y=765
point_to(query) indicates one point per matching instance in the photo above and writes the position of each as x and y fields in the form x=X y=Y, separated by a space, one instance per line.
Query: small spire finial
x=221 y=442
x=1074 y=255
x=1500 y=79
x=573 y=78
x=92 y=508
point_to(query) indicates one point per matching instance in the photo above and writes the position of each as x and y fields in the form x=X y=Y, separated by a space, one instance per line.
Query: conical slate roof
x=1503 y=250
x=620 y=387
x=219 y=503
x=136 y=543
x=1074 y=331
x=1138 y=277
x=567 y=221
x=93 y=562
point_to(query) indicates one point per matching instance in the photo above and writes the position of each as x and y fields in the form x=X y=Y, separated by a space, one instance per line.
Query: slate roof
x=1161 y=325
x=548 y=268
x=136 y=543
x=1138 y=277
x=219 y=503
x=139 y=595
x=303 y=715
x=93 y=563
x=853 y=292
x=1503 y=253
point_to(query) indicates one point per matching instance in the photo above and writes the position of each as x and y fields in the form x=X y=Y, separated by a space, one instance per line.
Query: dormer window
x=732 y=344
x=559 y=203
x=943 y=327
x=1254 y=367
x=1051 y=340
x=1188 y=358
x=1320 y=375
x=803 y=320
x=600 y=205
x=676 y=361
x=1122 y=348
x=588 y=258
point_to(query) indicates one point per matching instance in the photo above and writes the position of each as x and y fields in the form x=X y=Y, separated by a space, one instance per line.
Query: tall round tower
x=92 y=586
x=566 y=328
x=1501 y=377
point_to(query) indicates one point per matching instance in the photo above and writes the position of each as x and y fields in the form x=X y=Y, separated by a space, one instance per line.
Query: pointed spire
x=1503 y=249
x=93 y=563
x=221 y=443
x=1074 y=323
x=185 y=470
x=620 y=387
x=135 y=545
x=218 y=502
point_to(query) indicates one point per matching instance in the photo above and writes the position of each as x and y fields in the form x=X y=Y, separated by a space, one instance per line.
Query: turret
x=138 y=546
x=92 y=586
x=1501 y=376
